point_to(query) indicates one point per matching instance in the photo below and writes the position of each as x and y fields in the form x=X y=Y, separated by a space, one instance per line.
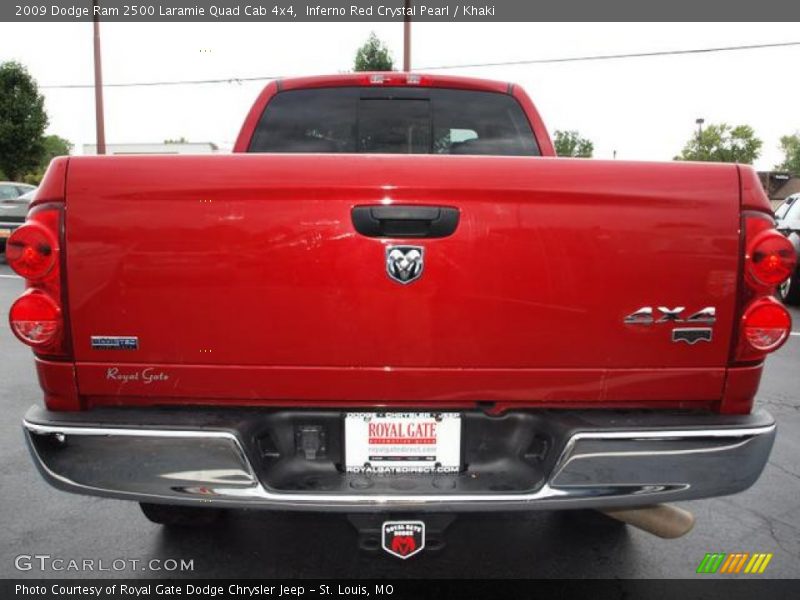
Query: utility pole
x=699 y=123
x=98 y=85
x=407 y=38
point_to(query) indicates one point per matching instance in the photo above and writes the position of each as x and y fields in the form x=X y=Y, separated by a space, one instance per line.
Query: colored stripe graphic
x=734 y=563
x=720 y=562
x=758 y=563
x=732 y=559
x=742 y=561
x=765 y=563
x=711 y=562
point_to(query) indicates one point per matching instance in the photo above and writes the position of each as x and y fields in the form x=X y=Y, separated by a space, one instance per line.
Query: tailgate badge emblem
x=403 y=539
x=692 y=335
x=115 y=342
x=404 y=263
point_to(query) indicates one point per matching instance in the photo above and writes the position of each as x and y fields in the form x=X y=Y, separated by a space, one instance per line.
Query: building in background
x=778 y=185
x=158 y=148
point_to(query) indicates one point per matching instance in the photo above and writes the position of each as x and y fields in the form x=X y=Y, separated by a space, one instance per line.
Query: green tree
x=54 y=145
x=570 y=143
x=723 y=143
x=22 y=121
x=373 y=56
x=180 y=140
x=790 y=144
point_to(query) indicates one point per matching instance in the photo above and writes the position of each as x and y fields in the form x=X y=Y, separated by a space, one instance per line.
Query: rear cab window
x=394 y=120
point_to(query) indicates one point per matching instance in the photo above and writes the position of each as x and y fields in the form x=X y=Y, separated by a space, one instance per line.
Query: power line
x=72 y=86
x=538 y=61
x=542 y=61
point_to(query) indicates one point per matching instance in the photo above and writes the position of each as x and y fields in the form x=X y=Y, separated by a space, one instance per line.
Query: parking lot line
x=795 y=333
x=3 y=276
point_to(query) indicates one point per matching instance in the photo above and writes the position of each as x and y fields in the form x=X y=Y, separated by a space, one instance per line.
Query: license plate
x=4 y=233
x=402 y=442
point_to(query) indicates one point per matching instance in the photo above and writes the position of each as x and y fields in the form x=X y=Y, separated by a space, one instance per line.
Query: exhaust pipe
x=664 y=520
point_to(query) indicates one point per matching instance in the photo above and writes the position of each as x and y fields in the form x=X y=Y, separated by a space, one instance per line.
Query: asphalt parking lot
x=36 y=519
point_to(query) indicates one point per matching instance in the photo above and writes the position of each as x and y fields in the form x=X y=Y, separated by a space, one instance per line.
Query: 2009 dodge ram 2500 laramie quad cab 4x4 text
x=392 y=297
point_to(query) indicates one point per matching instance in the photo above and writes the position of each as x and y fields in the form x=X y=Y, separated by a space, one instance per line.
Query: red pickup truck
x=393 y=298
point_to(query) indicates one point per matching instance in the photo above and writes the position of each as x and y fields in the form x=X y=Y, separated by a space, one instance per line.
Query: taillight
x=31 y=251
x=771 y=258
x=36 y=319
x=766 y=325
x=761 y=324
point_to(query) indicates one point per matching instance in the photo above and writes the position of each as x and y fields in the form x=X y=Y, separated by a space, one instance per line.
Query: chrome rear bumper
x=597 y=459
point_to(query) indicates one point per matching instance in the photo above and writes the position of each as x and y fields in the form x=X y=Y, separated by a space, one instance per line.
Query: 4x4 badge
x=646 y=316
x=701 y=322
x=404 y=264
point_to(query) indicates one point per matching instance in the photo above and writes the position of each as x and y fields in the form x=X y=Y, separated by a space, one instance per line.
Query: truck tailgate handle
x=405 y=221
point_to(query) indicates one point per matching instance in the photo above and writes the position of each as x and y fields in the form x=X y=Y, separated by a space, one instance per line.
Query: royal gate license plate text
x=403 y=442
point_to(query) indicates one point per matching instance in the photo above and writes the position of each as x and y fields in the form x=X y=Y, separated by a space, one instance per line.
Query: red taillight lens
x=35 y=319
x=771 y=258
x=763 y=324
x=31 y=251
x=766 y=325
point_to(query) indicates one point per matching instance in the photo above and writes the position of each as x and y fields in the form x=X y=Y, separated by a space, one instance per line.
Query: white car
x=787 y=218
x=14 y=201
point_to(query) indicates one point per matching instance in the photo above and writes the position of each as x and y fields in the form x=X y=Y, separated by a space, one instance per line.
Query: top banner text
x=396 y=10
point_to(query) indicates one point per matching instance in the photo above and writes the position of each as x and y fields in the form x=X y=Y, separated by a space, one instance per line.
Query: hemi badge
x=692 y=335
x=112 y=342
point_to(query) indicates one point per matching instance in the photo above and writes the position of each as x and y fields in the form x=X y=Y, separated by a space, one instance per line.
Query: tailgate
x=243 y=278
